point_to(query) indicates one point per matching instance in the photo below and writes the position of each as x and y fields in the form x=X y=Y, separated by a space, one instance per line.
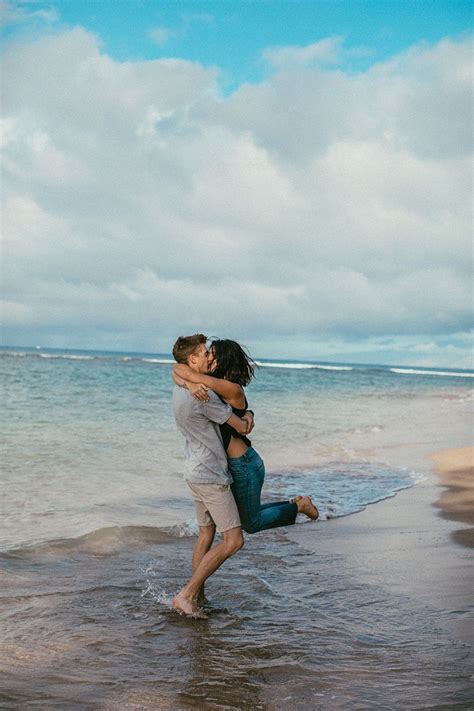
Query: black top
x=227 y=431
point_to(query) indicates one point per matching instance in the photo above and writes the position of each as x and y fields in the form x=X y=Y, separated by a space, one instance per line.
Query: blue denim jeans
x=248 y=473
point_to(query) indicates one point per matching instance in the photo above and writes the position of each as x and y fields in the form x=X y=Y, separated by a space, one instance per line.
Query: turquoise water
x=96 y=536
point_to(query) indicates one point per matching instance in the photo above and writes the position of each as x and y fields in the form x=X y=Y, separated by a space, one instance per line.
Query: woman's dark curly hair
x=232 y=362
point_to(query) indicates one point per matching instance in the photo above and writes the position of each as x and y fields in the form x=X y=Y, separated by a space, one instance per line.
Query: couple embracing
x=225 y=474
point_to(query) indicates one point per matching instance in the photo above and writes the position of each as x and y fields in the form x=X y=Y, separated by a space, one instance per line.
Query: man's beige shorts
x=215 y=503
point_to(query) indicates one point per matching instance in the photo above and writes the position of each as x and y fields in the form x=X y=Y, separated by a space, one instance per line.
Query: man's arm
x=249 y=418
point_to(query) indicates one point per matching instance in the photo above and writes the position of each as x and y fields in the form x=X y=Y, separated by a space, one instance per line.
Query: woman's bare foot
x=306 y=506
x=187 y=606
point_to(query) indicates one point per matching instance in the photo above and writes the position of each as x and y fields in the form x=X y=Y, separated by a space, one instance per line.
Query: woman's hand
x=199 y=391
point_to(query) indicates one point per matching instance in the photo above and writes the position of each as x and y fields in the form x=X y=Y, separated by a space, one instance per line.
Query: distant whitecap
x=413 y=371
x=158 y=360
x=301 y=366
x=66 y=357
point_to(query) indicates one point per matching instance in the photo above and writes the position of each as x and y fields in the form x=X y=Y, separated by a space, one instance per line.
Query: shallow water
x=286 y=627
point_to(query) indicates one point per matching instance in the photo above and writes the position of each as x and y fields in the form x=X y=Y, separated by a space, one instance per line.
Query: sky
x=294 y=175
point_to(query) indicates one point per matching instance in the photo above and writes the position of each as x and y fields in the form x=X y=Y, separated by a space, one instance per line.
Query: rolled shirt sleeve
x=214 y=409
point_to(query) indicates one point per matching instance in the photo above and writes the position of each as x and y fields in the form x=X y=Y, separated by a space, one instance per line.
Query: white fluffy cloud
x=138 y=203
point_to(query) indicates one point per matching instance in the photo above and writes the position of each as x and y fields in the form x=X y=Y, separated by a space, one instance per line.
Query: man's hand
x=239 y=425
x=199 y=391
x=249 y=418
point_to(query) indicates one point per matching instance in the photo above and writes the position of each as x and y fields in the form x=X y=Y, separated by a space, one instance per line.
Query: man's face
x=199 y=360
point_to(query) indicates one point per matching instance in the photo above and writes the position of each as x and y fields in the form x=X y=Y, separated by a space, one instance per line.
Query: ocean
x=97 y=531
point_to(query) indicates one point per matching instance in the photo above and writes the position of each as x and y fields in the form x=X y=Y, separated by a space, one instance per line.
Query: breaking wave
x=103 y=542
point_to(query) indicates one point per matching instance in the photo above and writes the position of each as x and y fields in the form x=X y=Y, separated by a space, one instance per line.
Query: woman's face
x=211 y=360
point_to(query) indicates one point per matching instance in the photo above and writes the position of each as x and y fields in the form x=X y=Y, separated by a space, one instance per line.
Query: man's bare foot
x=187 y=606
x=306 y=506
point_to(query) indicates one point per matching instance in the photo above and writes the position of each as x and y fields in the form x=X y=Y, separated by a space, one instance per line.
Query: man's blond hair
x=186 y=346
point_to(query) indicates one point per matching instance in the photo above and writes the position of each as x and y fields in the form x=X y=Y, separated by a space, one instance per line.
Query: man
x=207 y=476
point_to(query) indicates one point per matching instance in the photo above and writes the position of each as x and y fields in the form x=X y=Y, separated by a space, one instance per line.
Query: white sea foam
x=414 y=371
x=186 y=529
x=340 y=489
x=302 y=366
x=79 y=357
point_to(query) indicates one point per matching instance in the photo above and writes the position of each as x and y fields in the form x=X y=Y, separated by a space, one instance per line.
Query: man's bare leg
x=203 y=545
x=186 y=600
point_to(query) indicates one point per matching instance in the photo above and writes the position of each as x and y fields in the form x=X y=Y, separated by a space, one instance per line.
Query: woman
x=230 y=370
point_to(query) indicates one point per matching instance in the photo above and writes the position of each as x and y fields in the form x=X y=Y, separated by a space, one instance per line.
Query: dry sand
x=455 y=468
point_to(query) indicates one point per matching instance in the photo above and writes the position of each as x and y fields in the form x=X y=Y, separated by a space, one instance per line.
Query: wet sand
x=404 y=546
x=455 y=468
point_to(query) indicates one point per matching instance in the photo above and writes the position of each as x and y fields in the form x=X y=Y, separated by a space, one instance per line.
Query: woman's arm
x=231 y=392
x=197 y=390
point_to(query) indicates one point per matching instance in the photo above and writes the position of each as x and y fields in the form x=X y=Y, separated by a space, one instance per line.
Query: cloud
x=161 y=35
x=325 y=52
x=200 y=18
x=317 y=207
x=26 y=12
